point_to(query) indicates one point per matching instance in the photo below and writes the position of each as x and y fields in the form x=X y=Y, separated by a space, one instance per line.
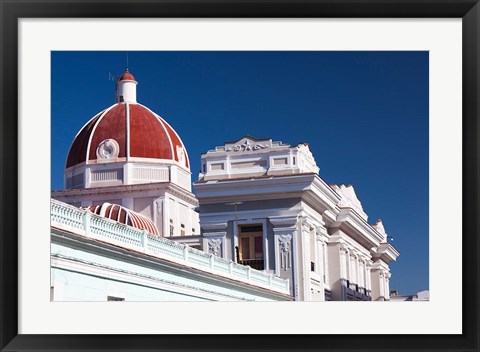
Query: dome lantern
x=126 y=88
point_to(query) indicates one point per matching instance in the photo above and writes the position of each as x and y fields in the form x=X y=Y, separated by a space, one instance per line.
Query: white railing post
x=145 y=240
x=86 y=223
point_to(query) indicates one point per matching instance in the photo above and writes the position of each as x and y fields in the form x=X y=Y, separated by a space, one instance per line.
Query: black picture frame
x=12 y=11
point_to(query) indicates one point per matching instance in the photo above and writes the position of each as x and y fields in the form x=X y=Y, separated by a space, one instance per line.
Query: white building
x=420 y=296
x=271 y=228
x=262 y=203
x=128 y=155
x=129 y=172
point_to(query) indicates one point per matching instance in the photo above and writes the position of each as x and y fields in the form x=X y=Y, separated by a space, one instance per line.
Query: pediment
x=350 y=199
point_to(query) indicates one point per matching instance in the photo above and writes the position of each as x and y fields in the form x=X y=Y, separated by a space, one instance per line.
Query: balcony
x=84 y=223
x=257 y=264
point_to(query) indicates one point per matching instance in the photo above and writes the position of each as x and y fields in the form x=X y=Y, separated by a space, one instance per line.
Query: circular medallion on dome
x=108 y=149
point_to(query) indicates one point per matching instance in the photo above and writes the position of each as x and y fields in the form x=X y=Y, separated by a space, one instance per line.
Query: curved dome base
x=126 y=173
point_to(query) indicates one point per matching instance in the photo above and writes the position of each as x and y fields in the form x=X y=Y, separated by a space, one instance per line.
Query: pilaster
x=286 y=259
x=214 y=236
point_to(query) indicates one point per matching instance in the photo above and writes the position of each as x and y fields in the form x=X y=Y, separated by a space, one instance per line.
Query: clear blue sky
x=364 y=115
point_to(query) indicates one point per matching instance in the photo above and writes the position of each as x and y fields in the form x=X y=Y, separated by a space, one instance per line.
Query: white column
x=361 y=273
x=325 y=263
x=381 y=284
x=387 y=286
x=166 y=217
x=368 y=266
x=343 y=267
x=266 y=256
x=176 y=219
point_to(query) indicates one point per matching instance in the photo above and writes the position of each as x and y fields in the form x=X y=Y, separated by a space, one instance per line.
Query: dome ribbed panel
x=148 y=139
x=125 y=216
x=78 y=149
x=112 y=125
x=176 y=143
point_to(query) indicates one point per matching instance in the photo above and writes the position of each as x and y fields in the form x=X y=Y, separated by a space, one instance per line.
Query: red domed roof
x=127 y=76
x=127 y=130
x=125 y=216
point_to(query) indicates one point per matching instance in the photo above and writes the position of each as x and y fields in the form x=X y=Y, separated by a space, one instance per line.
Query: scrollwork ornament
x=214 y=246
x=108 y=149
x=285 y=244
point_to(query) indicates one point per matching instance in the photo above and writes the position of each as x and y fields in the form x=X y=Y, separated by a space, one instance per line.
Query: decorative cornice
x=125 y=189
x=386 y=252
x=213 y=226
x=283 y=222
x=217 y=234
x=357 y=228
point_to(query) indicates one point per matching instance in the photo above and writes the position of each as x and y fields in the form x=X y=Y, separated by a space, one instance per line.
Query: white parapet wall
x=86 y=225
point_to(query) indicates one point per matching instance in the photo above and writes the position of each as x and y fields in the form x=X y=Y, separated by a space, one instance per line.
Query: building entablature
x=348 y=246
x=386 y=252
x=310 y=186
x=214 y=226
x=356 y=227
x=256 y=157
x=379 y=264
x=329 y=198
x=283 y=223
x=123 y=191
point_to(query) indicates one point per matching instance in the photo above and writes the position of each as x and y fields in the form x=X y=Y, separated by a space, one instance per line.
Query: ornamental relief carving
x=108 y=149
x=246 y=147
x=214 y=246
x=284 y=242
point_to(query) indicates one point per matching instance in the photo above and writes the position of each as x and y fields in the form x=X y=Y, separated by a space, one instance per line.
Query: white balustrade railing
x=83 y=222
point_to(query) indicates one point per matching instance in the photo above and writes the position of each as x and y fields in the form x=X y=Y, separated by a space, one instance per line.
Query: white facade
x=269 y=226
x=97 y=259
x=263 y=203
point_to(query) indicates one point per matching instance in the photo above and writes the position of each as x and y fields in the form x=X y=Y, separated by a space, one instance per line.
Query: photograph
x=239 y=176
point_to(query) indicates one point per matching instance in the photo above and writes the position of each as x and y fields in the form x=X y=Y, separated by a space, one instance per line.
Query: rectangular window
x=251 y=251
x=245 y=248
